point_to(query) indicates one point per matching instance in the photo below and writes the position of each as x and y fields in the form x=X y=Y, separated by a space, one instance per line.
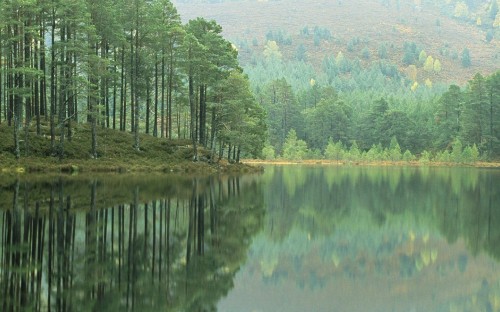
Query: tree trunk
x=170 y=90
x=114 y=87
x=155 y=125
x=193 y=118
x=123 y=92
x=203 y=113
x=162 y=125
x=53 y=82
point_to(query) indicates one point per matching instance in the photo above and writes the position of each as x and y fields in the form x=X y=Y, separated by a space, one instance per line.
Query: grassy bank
x=115 y=154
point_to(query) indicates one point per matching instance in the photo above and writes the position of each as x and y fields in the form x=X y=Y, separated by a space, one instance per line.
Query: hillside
x=358 y=28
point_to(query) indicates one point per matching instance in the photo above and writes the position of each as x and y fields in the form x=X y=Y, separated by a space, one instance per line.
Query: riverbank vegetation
x=77 y=69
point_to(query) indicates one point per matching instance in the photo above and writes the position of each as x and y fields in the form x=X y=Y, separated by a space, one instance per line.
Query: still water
x=296 y=238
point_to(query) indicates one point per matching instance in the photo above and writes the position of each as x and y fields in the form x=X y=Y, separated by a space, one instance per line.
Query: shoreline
x=325 y=162
x=48 y=165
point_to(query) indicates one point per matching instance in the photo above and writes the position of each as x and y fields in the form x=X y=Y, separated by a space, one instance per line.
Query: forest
x=137 y=68
x=125 y=65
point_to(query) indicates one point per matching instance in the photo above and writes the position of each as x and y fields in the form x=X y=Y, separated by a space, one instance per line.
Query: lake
x=295 y=238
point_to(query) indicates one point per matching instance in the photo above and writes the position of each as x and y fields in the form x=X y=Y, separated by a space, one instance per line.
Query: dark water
x=293 y=239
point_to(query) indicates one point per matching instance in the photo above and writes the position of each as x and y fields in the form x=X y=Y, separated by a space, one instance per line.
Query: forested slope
x=420 y=74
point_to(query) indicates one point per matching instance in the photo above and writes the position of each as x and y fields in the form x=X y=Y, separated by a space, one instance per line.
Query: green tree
x=475 y=116
x=493 y=114
x=466 y=59
x=294 y=148
x=212 y=58
x=268 y=152
x=329 y=118
x=238 y=120
x=354 y=152
x=283 y=113
x=394 y=150
x=422 y=57
x=334 y=151
x=456 y=152
x=448 y=116
x=493 y=9
x=300 y=53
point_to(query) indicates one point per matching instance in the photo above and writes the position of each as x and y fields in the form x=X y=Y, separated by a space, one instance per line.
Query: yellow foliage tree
x=272 y=50
x=429 y=64
x=428 y=83
x=340 y=58
x=461 y=9
x=479 y=22
x=437 y=66
x=496 y=22
x=414 y=86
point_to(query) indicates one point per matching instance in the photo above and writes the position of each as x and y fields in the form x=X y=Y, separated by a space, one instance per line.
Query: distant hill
x=369 y=30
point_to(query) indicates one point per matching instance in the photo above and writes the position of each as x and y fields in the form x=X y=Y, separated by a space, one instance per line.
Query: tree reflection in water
x=124 y=243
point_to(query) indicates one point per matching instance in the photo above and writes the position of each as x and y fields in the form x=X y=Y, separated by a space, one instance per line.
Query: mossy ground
x=116 y=153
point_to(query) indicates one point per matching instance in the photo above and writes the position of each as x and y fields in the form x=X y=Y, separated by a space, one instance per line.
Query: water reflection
x=374 y=239
x=124 y=243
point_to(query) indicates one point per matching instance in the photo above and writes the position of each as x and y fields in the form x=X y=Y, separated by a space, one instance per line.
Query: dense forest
x=370 y=80
x=126 y=65
x=136 y=67
x=457 y=125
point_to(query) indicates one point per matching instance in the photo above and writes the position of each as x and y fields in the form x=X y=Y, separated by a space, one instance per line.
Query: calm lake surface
x=296 y=238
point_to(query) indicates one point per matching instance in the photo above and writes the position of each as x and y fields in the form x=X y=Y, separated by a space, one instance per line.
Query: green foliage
x=353 y=43
x=408 y=156
x=443 y=156
x=282 y=111
x=334 y=151
x=294 y=148
x=329 y=118
x=466 y=59
x=354 y=152
x=493 y=9
x=300 y=53
x=489 y=35
x=268 y=152
x=322 y=33
x=280 y=36
x=470 y=154
x=240 y=120
x=410 y=54
x=366 y=53
x=394 y=150
x=425 y=157
x=456 y=152
x=382 y=51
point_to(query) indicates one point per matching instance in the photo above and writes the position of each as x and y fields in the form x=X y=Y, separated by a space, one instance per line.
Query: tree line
x=126 y=65
x=460 y=125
